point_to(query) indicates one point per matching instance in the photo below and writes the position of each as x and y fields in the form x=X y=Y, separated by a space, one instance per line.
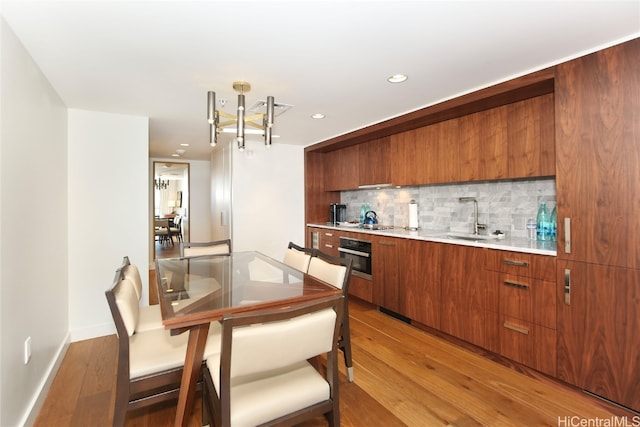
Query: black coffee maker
x=337 y=213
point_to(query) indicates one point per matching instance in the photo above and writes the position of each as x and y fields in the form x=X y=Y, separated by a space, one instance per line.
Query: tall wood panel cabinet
x=597 y=116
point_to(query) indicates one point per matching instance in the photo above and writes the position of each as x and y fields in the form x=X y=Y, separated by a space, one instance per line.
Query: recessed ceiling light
x=180 y=151
x=175 y=155
x=184 y=144
x=318 y=116
x=397 y=78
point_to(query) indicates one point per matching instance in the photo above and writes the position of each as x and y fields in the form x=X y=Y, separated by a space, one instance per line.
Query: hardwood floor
x=403 y=376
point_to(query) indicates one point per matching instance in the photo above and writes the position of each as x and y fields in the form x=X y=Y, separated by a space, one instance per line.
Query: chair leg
x=345 y=343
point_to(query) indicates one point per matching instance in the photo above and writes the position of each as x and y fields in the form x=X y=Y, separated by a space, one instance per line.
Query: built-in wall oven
x=359 y=251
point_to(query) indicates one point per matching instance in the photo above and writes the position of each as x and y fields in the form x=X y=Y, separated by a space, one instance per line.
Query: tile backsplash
x=502 y=205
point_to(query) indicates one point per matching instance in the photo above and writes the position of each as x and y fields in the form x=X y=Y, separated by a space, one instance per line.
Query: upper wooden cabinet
x=342 y=169
x=483 y=145
x=511 y=141
x=374 y=167
x=530 y=138
x=598 y=153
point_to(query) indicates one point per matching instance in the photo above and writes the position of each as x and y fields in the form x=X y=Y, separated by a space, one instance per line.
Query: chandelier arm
x=227 y=123
x=226 y=115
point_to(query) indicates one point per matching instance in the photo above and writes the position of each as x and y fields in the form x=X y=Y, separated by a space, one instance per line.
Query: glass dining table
x=195 y=291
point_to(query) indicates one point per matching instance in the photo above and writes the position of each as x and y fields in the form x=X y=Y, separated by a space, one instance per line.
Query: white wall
x=108 y=212
x=200 y=201
x=33 y=229
x=268 y=198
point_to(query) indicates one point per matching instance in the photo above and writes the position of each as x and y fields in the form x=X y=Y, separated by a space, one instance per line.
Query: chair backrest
x=161 y=222
x=123 y=303
x=297 y=257
x=276 y=338
x=131 y=272
x=333 y=270
x=219 y=247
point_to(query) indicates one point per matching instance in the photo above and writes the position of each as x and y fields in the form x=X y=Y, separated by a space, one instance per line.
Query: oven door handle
x=352 y=252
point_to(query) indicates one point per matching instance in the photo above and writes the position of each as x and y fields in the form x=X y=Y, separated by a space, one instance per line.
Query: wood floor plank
x=62 y=399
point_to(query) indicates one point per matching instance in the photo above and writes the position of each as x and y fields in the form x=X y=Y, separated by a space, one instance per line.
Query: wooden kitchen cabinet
x=386 y=272
x=420 y=279
x=342 y=169
x=483 y=145
x=598 y=153
x=527 y=307
x=531 y=139
x=469 y=302
x=324 y=239
x=374 y=162
x=408 y=158
x=597 y=176
x=598 y=324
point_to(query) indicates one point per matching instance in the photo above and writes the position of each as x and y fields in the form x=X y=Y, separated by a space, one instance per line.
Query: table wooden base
x=193 y=360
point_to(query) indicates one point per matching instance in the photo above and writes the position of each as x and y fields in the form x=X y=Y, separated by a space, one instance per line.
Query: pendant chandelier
x=261 y=123
x=160 y=184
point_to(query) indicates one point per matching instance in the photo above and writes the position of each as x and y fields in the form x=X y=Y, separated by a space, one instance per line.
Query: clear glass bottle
x=543 y=223
x=554 y=225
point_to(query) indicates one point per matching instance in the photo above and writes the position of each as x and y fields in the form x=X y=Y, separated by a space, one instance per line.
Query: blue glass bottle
x=554 y=225
x=543 y=223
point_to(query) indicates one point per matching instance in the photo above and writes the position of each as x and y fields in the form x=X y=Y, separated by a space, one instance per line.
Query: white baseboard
x=36 y=403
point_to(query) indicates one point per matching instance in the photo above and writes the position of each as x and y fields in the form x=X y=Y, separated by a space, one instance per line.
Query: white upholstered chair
x=219 y=247
x=150 y=362
x=336 y=271
x=262 y=376
x=297 y=257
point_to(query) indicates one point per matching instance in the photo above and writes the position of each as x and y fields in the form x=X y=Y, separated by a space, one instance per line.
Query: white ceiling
x=159 y=58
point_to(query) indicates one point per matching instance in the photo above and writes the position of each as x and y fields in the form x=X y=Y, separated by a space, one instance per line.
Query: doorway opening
x=170 y=214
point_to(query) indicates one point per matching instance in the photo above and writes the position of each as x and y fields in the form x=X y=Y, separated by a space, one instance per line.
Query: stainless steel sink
x=471 y=236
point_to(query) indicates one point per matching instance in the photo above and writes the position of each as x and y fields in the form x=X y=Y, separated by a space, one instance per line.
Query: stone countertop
x=505 y=244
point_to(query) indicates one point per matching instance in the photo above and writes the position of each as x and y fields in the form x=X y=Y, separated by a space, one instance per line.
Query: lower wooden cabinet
x=386 y=269
x=361 y=288
x=527 y=322
x=326 y=240
x=527 y=343
x=598 y=324
x=469 y=302
x=420 y=279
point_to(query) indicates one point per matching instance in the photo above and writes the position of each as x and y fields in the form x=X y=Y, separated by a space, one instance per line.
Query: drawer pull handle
x=328 y=234
x=326 y=245
x=515 y=262
x=516 y=285
x=567 y=286
x=516 y=328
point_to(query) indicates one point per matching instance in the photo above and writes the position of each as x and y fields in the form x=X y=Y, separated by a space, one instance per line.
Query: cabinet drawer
x=329 y=242
x=527 y=299
x=521 y=264
x=532 y=345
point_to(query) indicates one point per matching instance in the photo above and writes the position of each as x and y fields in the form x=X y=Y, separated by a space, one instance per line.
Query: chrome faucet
x=476 y=225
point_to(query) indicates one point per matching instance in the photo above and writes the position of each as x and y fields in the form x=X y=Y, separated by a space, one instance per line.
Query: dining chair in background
x=337 y=272
x=262 y=374
x=150 y=362
x=175 y=228
x=162 y=230
x=219 y=247
x=297 y=257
